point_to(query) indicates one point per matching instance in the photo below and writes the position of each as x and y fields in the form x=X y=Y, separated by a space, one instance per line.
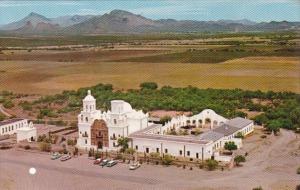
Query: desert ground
x=271 y=164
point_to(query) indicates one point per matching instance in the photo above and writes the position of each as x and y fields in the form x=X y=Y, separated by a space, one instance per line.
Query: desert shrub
x=8 y=104
x=70 y=142
x=167 y=159
x=148 y=85
x=45 y=147
x=230 y=146
x=238 y=159
x=154 y=155
x=129 y=151
x=211 y=164
x=27 y=147
x=239 y=135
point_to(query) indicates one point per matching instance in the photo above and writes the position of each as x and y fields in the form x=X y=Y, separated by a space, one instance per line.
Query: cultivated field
x=125 y=62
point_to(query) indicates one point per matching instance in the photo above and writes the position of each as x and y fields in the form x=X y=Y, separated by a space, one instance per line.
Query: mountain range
x=119 y=21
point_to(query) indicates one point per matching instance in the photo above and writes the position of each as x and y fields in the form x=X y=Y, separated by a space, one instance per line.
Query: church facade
x=101 y=130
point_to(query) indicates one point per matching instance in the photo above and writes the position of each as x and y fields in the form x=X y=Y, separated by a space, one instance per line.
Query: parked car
x=134 y=166
x=98 y=161
x=104 y=162
x=65 y=158
x=111 y=163
x=55 y=156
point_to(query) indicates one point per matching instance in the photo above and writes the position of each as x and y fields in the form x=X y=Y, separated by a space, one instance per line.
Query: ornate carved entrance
x=99 y=134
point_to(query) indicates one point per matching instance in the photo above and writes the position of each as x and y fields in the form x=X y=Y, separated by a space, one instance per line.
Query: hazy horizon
x=201 y=10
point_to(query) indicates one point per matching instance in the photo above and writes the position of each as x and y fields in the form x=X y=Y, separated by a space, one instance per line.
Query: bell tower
x=89 y=108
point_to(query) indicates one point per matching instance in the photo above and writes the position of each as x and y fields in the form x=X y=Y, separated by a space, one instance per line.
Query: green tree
x=238 y=159
x=123 y=143
x=274 y=126
x=148 y=85
x=230 y=146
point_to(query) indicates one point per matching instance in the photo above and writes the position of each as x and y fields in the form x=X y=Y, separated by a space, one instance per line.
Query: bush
x=238 y=159
x=154 y=155
x=45 y=147
x=239 y=135
x=130 y=151
x=211 y=164
x=70 y=142
x=148 y=85
x=257 y=188
x=230 y=146
x=8 y=104
x=27 y=147
x=167 y=159
x=298 y=170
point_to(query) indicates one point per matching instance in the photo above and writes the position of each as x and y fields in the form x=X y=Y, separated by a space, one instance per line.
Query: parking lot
x=271 y=164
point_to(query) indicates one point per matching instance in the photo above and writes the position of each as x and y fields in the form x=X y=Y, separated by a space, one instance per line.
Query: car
x=65 y=158
x=98 y=161
x=111 y=163
x=55 y=156
x=134 y=166
x=104 y=162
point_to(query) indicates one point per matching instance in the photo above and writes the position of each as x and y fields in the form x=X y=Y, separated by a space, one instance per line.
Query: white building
x=10 y=126
x=28 y=133
x=102 y=129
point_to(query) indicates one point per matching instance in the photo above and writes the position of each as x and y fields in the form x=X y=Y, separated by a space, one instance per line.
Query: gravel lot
x=271 y=163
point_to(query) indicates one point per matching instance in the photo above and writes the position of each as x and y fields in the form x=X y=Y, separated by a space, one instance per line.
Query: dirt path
x=2 y=110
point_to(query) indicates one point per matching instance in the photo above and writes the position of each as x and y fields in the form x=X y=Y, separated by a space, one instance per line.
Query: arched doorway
x=99 y=134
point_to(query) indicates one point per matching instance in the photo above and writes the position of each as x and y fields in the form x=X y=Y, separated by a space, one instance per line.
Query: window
x=197 y=155
x=115 y=121
x=114 y=144
x=136 y=147
x=188 y=153
x=166 y=150
x=157 y=150
x=12 y=128
x=147 y=150
x=114 y=136
x=85 y=141
x=5 y=129
x=180 y=152
x=2 y=130
x=86 y=119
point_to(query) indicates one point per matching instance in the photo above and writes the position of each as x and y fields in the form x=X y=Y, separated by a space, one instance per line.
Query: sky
x=256 y=10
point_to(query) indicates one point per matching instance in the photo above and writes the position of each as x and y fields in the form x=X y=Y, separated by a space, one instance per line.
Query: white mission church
x=101 y=130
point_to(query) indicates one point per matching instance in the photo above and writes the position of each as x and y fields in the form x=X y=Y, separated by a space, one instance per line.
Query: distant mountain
x=243 y=21
x=119 y=21
x=35 y=18
x=65 y=21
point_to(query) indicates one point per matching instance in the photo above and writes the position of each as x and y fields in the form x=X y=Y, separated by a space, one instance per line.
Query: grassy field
x=265 y=73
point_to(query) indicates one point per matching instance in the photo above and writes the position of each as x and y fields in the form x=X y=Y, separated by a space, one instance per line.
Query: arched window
x=115 y=121
x=86 y=119
x=82 y=118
